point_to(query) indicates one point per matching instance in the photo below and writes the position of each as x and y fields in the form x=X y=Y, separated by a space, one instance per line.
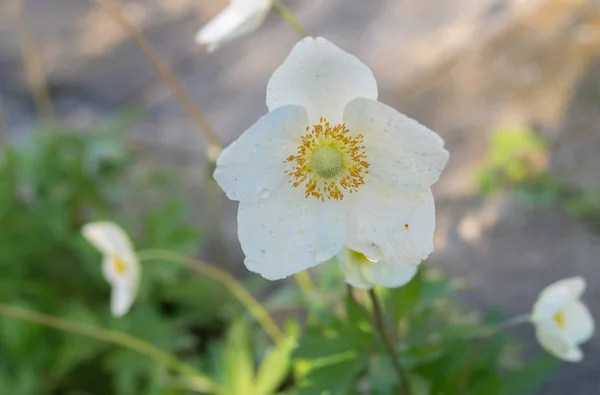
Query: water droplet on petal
x=264 y=193
x=375 y=254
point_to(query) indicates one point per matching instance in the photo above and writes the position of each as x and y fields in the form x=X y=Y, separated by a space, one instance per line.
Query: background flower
x=561 y=320
x=241 y=17
x=120 y=265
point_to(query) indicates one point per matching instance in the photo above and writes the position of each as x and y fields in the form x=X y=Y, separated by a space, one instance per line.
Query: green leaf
x=402 y=301
x=383 y=376
x=76 y=349
x=235 y=366
x=316 y=345
x=530 y=377
x=334 y=378
x=275 y=367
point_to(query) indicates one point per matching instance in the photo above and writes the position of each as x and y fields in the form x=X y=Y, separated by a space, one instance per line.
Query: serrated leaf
x=314 y=346
x=275 y=367
x=335 y=378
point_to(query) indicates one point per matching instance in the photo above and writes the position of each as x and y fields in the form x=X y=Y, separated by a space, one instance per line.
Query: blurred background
x=513 y=86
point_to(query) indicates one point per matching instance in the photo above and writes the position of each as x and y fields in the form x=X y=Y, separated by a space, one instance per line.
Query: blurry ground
x=462 y=67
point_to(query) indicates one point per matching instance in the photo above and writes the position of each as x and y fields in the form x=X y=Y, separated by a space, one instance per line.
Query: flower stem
x=165 y=74
x=256 y=309
x=516 y=320
x=389 y=345
x=33 y=66
x=305 y=283
x=289 y=17
x=118 y=338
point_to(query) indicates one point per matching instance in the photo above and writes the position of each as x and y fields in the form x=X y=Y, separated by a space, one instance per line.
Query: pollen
x=329 y=162
x=119 y=265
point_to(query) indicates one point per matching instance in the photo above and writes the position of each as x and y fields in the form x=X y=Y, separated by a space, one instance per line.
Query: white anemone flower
x=241 y=17
x=330 y=166
x=562 y=322
x=362 y=273
x=120 y=265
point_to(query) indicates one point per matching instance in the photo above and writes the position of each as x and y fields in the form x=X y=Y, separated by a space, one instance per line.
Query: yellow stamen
x=560 y=319
x=119 y=264
x=328 y=162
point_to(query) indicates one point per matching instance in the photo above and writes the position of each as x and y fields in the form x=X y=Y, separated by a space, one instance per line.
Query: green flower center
x=327 y=162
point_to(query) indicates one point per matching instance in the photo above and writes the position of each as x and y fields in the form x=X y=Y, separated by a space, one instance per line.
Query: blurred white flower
x=362 y=273
x=562 y=322
x=241 y=17
x=120 y=265
x=330 y=166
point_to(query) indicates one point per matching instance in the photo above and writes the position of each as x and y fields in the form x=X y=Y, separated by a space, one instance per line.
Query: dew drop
x=264 y=193
x=375 y=254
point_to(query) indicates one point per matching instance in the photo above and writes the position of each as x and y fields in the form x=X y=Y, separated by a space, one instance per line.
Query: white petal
x=322 y=78
x=579 y=323
x=388 y=275
x=114 y=243
x=575 y=286
x=287 y=233
x=402 y=152
x=557 y=344
x=351 y=269
x=121 y=300
x=109 y=239
x=556 y=297
x=391 y=225
x=252 y=167
x=238 y=19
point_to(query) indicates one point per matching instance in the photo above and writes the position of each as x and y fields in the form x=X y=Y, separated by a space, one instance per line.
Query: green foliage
x=517 y=163
x=516 y=157
x=444 y=351
x=51 y=184
x=234 y=363
x=60 y=179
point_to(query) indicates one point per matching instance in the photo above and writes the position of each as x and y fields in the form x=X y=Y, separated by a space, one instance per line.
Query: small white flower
x=363 y=273
x=562 y=322
x=241 y=17
x=330 y=166
x=120 y=265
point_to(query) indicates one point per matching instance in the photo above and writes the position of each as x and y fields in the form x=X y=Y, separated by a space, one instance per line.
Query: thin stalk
x=113 y=337
x=289 y=17
x=305 y=283
x=164 y=72
x=34 y=68
x=514 y=321
x=389 y=345
x=256 y=309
